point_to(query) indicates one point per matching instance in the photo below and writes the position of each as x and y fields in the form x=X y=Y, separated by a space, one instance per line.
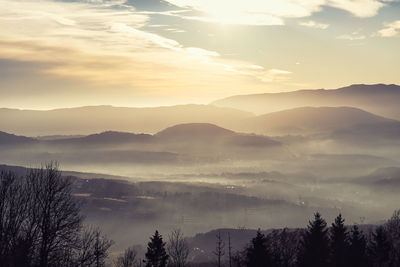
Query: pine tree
x=156 y=256
x=392 y=227
x=339 y=243
x=380 y=247
x=315 y=244
x=257 y=254
x=357 y=253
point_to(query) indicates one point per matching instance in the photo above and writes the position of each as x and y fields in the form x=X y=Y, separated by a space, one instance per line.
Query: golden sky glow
x=132 y=53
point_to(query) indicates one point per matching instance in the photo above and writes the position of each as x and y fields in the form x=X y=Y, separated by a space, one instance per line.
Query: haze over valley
x=194 y=123
x=234 y=167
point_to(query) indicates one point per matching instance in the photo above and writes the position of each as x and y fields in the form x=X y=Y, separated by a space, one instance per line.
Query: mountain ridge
x=86 y=120
x=380 y=99
x=306 y=120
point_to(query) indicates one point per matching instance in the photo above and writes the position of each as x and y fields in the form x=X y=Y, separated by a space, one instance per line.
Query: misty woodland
x=41 y=225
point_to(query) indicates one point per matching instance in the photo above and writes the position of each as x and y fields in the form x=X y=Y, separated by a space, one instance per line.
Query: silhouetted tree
x=392 y=227
x=239 y=258
x=14 y=204
x=257 y=254
x=339 y=243
x=178 y=249
x=219 y=249
x=315 y=244
x=128 y=259
x=380 y=247
x=229 y=250
x=357 y=253
x=90 y=249
x=156 y=256
x=283 y=246
x=40 y=224
x=53 y=215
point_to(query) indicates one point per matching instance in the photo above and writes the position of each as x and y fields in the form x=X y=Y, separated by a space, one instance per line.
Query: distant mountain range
x=378 y=98
x=339 y=123
x=298 y=112
x=189 y=133
x=178 y=144
x=203 y=134
x=87 y=120
x=312 y=120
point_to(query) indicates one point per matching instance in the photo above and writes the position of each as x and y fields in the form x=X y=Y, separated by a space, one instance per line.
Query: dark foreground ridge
x=41 y=225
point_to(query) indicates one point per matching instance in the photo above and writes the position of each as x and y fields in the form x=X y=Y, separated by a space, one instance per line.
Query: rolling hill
x=194 y=132
x=378 y=98
x=7 y=139
x=312 y=120
x=87 y=120
x=179 y=144
x=105 y=138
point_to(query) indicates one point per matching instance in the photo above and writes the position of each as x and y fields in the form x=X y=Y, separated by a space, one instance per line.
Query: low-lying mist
x=200 y=176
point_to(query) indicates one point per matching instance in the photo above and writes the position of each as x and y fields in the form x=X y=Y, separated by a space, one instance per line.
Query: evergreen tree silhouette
x=392 y=227
x=257 y=254
x=156 y=256
x=315 y=244
x=380 y=247
x=357 y=253
x=339 y=243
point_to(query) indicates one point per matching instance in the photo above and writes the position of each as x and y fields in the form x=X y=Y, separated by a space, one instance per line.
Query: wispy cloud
x=268 y=76
x=106 y=44
x=354 y=36
x=391 y=29
x=314 y=24
x=272 y=12
x=359 y=8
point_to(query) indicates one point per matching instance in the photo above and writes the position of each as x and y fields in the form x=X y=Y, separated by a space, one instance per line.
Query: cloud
x=359 y=8
x=354 y=36
x=313 y=24
x=105 y=44
x=391 y=29
x=267 y=76
x=272 y=12
x=230 y=17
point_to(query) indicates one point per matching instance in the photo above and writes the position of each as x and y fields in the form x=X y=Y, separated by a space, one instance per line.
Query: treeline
x=316 y=246
x=321 y=246
x=41 y=225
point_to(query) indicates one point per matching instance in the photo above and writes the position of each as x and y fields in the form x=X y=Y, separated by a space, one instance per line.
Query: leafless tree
x=54 y=219
x=13 y=208
x=41 y=225
x=219 y=249
x=92 y=248
x=128 y=259
x=239 y=258
x=178 y=248
x=229 y=249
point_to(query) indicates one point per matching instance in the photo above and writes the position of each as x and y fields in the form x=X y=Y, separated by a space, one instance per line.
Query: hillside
x=7 y=139
x=108 y=137
x=308 y=120
x=378 y=98
x=87 y=120
x=177 y=145
x=194 y=132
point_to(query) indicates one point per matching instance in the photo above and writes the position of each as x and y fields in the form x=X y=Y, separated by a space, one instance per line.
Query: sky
x=70 y=53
